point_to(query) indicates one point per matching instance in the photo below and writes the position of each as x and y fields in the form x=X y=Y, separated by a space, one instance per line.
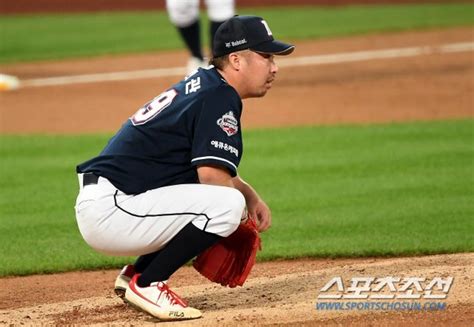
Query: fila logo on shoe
x=176 y=314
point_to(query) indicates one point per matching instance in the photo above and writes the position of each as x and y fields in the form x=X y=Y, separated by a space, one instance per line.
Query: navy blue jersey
x=196 y=122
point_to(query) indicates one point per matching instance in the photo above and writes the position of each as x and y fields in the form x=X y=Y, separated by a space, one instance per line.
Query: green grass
x=39 y=37
x=400 y=189
x=366 y=191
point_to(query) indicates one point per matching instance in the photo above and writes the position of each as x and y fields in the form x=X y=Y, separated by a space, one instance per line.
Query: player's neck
x=235 y=81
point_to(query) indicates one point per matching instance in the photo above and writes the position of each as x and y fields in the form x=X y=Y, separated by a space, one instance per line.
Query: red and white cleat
x=122 y=280
x=159 y=301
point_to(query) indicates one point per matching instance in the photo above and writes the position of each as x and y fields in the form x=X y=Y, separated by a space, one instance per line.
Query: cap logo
x=266 y=27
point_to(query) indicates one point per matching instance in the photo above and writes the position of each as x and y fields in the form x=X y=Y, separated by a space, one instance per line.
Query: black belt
x=89 y=179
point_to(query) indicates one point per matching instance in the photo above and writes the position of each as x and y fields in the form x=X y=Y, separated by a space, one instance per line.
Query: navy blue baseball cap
x=247 y=32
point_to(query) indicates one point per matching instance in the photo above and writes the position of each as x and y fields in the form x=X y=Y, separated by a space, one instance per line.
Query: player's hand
x=262 y=215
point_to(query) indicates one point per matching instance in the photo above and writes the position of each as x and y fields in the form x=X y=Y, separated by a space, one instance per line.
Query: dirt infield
x=435 y=86
x=278 y=293
x=425 y=87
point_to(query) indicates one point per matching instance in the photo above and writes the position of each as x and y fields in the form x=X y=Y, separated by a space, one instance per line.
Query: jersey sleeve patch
x=217 y=136
x=218 y=145
x=228 y=123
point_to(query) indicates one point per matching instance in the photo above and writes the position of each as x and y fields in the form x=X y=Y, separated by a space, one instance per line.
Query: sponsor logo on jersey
x=226 y=147
x=228 y=123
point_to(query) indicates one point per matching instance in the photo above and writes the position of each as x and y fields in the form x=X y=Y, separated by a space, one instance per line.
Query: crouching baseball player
x=165 y=188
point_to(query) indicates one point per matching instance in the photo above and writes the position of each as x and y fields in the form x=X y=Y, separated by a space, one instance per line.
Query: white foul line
x=104 y=77
x=284 y=62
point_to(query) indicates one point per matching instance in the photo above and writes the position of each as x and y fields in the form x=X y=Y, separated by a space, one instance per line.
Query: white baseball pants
x=183 y=13
x=115 y=223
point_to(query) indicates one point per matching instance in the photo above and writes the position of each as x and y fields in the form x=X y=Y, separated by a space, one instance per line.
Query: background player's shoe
x=159 y=301
x=195 y=63
x=122 y=280
x=8 y=82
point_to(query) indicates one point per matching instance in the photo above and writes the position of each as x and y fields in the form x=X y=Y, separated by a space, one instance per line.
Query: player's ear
x=235 y=60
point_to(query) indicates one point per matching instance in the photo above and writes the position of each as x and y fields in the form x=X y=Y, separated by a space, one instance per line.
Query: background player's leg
x=218 y=11
x=184 y=14
x=187 y=244
x=191 y=36
x=213 y=26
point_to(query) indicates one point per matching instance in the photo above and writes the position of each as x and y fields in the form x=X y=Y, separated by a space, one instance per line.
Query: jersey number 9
x=153 y=108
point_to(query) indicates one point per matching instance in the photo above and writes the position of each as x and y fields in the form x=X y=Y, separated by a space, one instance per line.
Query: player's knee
x=225 y=212
x=236 y=205
x=183 y=13
x=220 y=10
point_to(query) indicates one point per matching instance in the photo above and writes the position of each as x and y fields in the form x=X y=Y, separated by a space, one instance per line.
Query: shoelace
x=170 y=295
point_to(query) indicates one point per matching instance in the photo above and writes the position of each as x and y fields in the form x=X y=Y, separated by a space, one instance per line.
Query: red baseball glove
x=229 y=261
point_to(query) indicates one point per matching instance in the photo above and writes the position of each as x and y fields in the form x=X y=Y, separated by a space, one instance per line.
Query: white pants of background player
x=115 y=223
x=183 y=13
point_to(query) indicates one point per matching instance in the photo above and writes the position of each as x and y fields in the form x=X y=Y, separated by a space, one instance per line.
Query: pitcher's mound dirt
x=282 y=292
